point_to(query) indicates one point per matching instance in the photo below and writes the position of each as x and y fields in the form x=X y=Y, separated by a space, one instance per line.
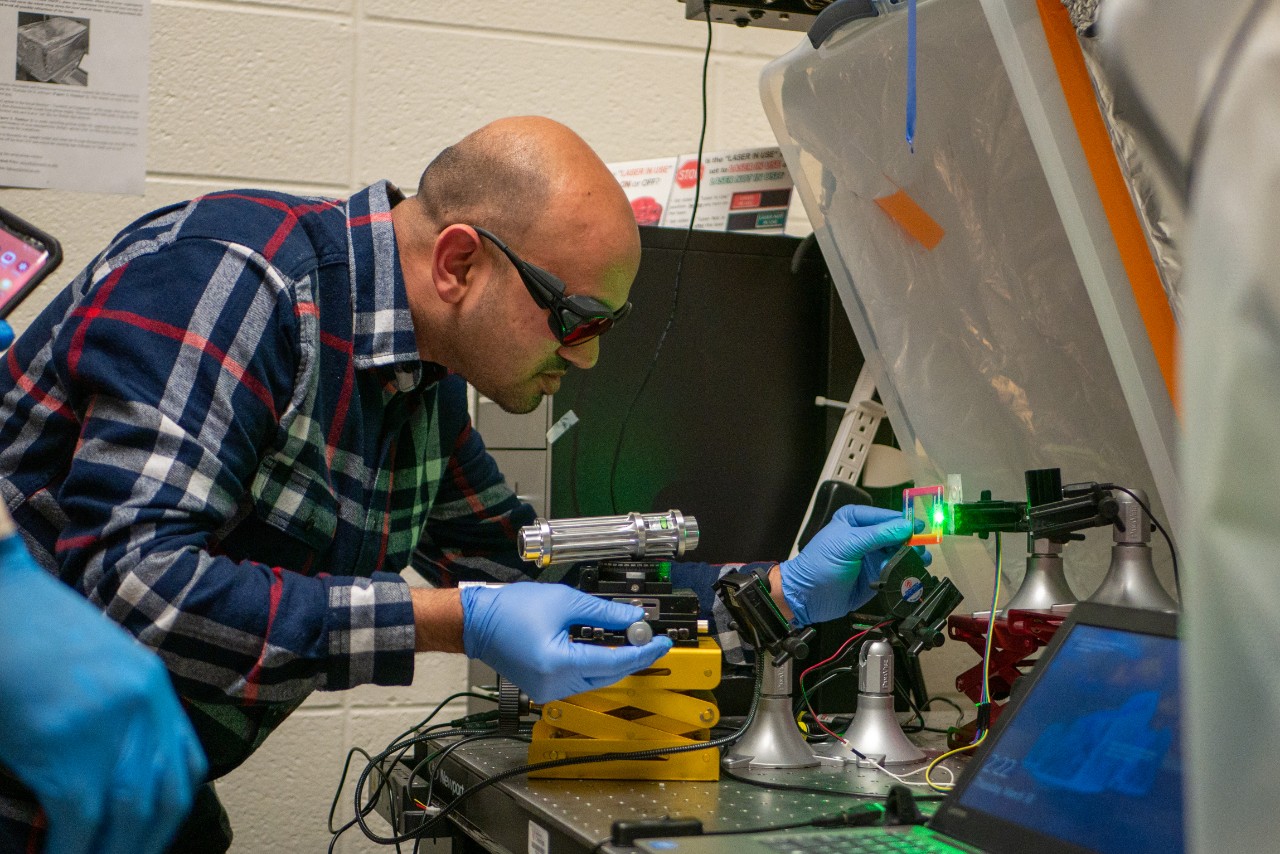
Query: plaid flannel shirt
x=221 y=432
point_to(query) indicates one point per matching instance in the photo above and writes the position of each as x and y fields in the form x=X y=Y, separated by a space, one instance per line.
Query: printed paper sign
x=73 y=94
x=648 y=186
x=747 y=190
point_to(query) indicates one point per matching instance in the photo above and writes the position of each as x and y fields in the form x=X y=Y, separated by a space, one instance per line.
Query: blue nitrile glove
x=522 y=631
x=832 y=575
x=88 y=718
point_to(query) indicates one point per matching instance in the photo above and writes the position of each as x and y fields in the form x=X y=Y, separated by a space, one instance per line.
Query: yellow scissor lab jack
x=668 y=705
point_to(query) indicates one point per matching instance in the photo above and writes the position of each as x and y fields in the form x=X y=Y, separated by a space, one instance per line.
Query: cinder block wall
x=325 y=96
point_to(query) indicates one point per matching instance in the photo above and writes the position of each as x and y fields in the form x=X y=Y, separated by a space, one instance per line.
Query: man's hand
x=88 y=718
x=521 y=631
x=832 y=575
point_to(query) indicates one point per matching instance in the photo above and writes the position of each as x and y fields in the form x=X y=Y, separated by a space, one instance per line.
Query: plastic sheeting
x=1150 y=63
x=1154 y=194
x=985 y=347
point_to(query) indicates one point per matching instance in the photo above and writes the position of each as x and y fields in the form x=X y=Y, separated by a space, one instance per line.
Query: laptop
x=1085 y=758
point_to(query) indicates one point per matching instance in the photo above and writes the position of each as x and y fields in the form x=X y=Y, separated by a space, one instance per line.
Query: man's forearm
x=437 y=618
x=775 y=590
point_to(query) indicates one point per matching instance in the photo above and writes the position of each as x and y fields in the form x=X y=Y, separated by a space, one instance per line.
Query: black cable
x=371 y=804
x=438 y=708
x=1177 y=583
x=467 y=737
x=420 y=727
x=897 y=690
x=843 y=654
x=448 y=750
x=675 y=290
x=452 y=805
x=798 y=706
x=443 y=754
x=333 y=807
x=375 y=762
x=346 y=766
x=906 y=698
x=918 y=710
x=373 y=801
x=952 y=703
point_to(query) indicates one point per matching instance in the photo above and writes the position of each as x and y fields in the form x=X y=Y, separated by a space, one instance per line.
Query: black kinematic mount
x=755 y=614
x=668 y=610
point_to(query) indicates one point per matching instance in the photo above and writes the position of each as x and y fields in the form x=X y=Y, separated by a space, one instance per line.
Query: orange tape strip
x=1135 y=254
x=912 y=218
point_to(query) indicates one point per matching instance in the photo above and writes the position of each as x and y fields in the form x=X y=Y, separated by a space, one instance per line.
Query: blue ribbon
x=911 y=75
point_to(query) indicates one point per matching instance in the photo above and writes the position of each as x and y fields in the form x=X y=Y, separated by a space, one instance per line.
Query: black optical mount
x=1051 y=511
x=754 y=613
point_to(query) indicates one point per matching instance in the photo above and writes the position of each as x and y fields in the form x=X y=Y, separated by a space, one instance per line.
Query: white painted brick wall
x=325 y=96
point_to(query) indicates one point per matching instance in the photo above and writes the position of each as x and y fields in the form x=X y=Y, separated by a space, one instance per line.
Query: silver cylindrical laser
x=635 y=535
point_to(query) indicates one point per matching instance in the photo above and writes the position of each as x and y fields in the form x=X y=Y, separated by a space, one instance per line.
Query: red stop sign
x=687 y=175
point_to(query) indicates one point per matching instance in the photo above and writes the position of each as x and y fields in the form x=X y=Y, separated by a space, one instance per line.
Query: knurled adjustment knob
x=513 y=704
x=639 y=633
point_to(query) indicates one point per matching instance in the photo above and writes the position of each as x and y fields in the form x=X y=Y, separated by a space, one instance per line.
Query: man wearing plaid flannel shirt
x=233 y=428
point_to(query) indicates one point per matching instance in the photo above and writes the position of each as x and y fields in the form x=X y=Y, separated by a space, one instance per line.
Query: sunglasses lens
x=586 y=330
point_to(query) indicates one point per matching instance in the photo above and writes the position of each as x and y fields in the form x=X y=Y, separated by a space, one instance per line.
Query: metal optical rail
x=635 y=535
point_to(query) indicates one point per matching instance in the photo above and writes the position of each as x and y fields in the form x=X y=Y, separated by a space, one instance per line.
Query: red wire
x=839 y=652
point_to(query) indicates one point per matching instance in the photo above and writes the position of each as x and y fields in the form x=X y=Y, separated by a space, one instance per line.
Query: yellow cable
x=944 y=787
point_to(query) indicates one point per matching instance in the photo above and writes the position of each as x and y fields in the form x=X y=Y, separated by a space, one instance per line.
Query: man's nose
x=584 y=355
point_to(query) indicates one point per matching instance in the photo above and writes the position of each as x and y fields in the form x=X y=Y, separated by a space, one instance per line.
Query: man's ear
x=457 y=262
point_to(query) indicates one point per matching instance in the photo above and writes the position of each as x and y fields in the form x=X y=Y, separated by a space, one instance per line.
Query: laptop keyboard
x=844 y=842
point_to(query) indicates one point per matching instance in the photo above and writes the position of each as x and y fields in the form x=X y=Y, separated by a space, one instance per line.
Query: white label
x=562 y=426
x=539 y=839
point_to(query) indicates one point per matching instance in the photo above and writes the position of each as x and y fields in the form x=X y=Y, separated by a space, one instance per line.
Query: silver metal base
x=1045 y=583
x=1131 y=581
x=774 y=739
x=876 y=734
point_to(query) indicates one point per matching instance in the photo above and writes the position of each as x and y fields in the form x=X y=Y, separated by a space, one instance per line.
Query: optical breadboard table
x=523 y=816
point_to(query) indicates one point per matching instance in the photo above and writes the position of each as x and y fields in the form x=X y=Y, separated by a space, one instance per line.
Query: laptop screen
x=1090 y=757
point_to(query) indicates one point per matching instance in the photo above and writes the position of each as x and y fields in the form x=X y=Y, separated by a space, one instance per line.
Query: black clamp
x=746 y=596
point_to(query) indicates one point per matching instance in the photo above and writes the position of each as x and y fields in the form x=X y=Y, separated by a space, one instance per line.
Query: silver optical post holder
x=773 y=740
x=874 y=732
x=1131 y=579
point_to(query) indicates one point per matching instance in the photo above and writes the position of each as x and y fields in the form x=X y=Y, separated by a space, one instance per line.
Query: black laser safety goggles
x=574 y=319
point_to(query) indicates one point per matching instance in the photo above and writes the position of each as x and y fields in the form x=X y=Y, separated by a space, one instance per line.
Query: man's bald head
x=514 y=172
